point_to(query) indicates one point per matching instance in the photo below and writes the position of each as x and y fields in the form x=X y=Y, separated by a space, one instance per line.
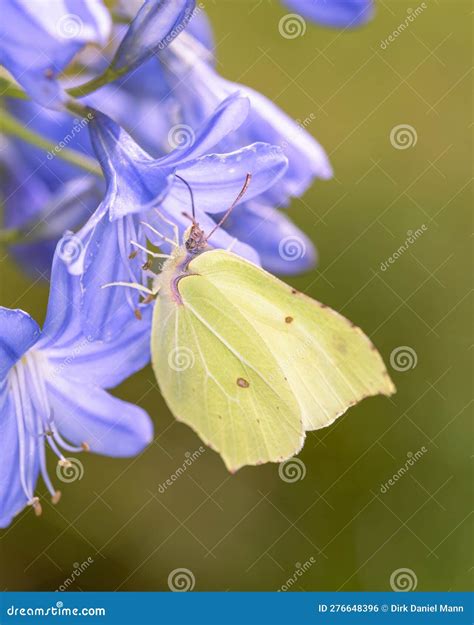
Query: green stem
x=8 y=89
x=96 y=83
x=11 y=126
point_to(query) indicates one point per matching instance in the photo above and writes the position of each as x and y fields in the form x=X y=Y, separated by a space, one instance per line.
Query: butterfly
x=248 y=362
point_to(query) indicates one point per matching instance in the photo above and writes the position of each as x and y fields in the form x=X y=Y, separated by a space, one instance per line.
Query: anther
x=34 y=502
x=56 y=497
x=133 y=254
x=148 y=299
x=85 y=446
x=147 y=265
x=63 y=462
x=137 y=314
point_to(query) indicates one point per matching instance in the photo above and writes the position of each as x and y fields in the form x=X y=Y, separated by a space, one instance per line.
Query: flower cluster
x=116 y=125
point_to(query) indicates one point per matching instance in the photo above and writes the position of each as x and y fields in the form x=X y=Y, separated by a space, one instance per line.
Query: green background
x=252 y=530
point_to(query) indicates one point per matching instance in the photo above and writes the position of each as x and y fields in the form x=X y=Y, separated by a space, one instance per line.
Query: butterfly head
x=195 y=239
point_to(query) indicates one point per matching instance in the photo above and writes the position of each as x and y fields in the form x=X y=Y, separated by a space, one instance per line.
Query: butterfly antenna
x=191 y=195
x=232 y=206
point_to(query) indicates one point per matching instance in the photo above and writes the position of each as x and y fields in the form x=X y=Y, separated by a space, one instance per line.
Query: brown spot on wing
x=243 y=383
x=288 y=319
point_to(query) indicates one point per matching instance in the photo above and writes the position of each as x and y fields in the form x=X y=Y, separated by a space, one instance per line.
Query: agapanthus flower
x=52 y=392
x=142 y=101
x=188 y=85
x=43 y=195
x=198 y=89
x=38 y=40
x=146 y=197
x=335 y=13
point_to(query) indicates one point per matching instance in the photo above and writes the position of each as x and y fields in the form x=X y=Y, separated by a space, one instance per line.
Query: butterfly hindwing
x=220 y=377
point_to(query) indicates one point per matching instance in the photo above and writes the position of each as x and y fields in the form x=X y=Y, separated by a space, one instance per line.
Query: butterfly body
x=248 y=362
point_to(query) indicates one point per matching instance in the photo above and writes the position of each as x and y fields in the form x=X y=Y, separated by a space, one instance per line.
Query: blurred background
x=338 y=523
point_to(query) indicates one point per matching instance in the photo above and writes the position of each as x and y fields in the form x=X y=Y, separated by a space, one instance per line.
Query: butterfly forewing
x=329 y=363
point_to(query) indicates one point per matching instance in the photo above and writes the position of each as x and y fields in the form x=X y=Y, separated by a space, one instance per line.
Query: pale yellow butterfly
x=248 y=362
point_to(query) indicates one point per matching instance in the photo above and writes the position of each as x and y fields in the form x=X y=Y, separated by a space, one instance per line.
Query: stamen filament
x=149 y=252
x=158 y=233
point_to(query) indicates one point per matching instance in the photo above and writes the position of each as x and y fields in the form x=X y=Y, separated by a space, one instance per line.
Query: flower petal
x=217 y=179
x=90 y=415
x=201 y=29
x=62 y=325
x=18 y=332
x=132 y=176
x=71 y=353
x=227 y=117
x=107 y=261
x=282 y=247
x=155 y=26
x=336 y=13
x=12 y=496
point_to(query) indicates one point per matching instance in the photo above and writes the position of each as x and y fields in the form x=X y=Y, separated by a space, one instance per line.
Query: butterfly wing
x=330 y=364
x=220 y=377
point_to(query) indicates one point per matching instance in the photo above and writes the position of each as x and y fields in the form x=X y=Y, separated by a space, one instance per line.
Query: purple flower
x=138 y=184
x=187 y=87
x=198 y=89
x=335 y=13
x=282 y=247
x=52 y=392
x=44 y=195
x=155 y=25
x=37 y=44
